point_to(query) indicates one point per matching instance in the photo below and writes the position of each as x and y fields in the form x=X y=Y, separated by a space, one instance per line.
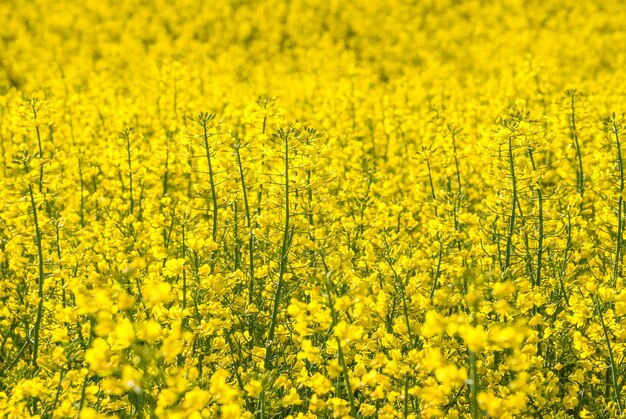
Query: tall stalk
x=38 y=242
x=615 y=128
x=473 y=386
x=612 y=364
x=205 y=119
x=82 y=193
x=340 y=355
x=284 y=252
x=580 y=178
x=2 y=146
x=33 y=104
x=126 y=134
x=511 y=228
x=540 y=233
x=453 y=133
x=248 y=224
x=432 y=185
x=184 y=254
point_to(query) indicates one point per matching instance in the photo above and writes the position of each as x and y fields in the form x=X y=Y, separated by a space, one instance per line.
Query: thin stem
x=346 y=378
x=620 y=204
x=453 y=132
x=437 y=272
x=58 y=240
x=509 y=239
x=2 y=146
x=38 y=241
x=40 y=146
x=249 y=225
x=405 y=410
x=82 y=193
x=613 y=365
x=340 y=355
x=580 y=178
x=184 y=251
x=167 y=158
x=237 y=254
x=83 y=392
x=432 y=186
x=473 y=386
x=540 y=227
x=204 y=120
x=284 y=251
x=130 y=170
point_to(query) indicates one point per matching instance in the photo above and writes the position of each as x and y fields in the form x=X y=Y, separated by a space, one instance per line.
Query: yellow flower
x=100 y=358
x=158 y=293
x=254 y=388
x=122 y=336
x=90 y=413
x=474 y=337
x=309 y=352
x=451 y=375
x=367 y=410
x=433 y=324
x=196 y=399
x=491 y=404
x=174 y=267
x=292 y=398
x=320 y=384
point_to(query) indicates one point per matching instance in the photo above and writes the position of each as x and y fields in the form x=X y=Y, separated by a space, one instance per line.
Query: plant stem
x=40 y=146
x=432 y=186
x=453 y=132
x=540 y=227
x=613 y=365
x=204 y=120
x=38 y=241
x=130 y=170
x=184 y=251
x=620 y=204
x=509 y=239
x=574 y=135
x=249 y=225
x=346 y=378
x=473 y=386
x=284 y=251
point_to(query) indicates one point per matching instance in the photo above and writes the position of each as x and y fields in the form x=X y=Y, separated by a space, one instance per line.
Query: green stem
x=2 y=146
x=473 y=385
x=38 y=241
x=40 y=147
x=83 y=392
x=432 y=186
x=82 y=193
x=283 y=259
x=453 y=132
x=509 y=239
x=574 y=135
x=346 y=378
x=437 y=272
x=620 y=204
x=613 y=365
x=184 y=250
x=130 y=170
x=342 y=360
x=249 y=225
x=540 y=227
x=204 y=119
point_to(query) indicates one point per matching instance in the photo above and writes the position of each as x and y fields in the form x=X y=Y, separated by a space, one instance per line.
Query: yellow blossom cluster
x=308 y=208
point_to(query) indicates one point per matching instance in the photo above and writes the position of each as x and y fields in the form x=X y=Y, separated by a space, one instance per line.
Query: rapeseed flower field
x=309 y=208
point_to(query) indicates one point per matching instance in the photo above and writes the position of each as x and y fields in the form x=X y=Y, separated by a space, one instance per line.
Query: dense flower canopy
x=303 y=208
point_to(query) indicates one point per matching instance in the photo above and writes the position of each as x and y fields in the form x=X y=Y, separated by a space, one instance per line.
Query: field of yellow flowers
x=312 y=208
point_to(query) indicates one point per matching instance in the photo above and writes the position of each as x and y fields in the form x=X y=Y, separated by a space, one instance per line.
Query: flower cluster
x=303 y=208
